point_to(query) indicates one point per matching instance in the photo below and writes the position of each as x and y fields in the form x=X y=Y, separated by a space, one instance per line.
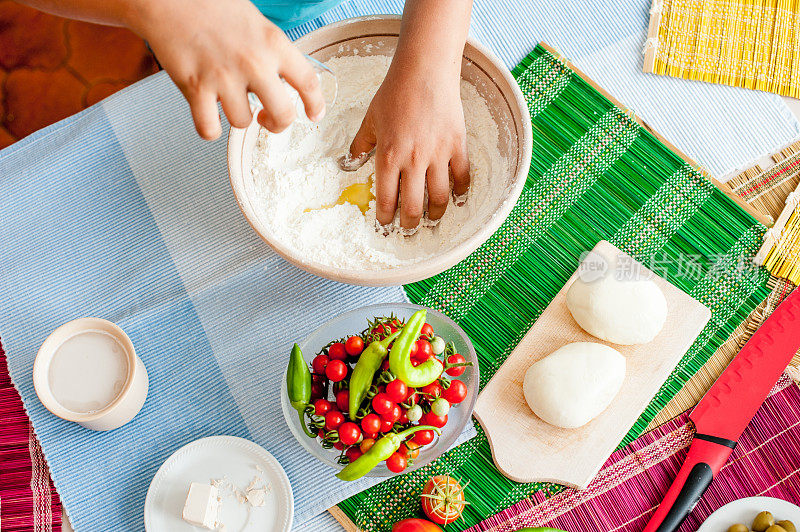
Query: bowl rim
x=419 y=270
x=470 y=406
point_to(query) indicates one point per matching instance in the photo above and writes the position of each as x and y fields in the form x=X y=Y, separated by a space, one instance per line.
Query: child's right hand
x=216 y=50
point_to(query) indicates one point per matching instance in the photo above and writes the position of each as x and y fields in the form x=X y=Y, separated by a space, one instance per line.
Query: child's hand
x=221 y=50
x=416 y=125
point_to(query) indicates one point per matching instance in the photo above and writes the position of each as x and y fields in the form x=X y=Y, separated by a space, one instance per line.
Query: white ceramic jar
x=87 y=371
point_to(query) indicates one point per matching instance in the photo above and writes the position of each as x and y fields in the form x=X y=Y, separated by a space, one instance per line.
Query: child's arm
x=213 y=50
x=416 y=122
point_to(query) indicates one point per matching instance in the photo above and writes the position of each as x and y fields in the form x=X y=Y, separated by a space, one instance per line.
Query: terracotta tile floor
x=51 y=67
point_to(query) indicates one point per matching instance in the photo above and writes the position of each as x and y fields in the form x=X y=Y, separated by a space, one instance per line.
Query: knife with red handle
x=727 y=408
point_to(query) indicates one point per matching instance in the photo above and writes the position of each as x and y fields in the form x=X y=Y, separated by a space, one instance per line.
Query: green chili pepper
x=380 y=451
x=400 y=356
x=368 y=364
x=298 y=385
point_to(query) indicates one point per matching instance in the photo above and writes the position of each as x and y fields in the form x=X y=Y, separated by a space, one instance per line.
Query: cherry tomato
x=381 y=403
x=337 y=352
x=339 y=446
x=366 y=444
x=371 y=423
x=432 y=391
x=349 y=433
x=322 y=407
x=411 y=398
x=427 y=330
x=403 y=419
x=333 y=419
x=412 y=449
x=319 y=364
x=397 y=391
x=353 y=454
x=386 y=425
x=354 y=346
x=318 y=391
x=413 y=352
x=456 y=359
x=443 y=500
x=456 y=392
x=423 y=437
x=424 y=350
x=396 y=463
x=432 y=419
x=343 y=400
x=336 y=370
x=385 y=365
x=392 y=415
x=372 y=435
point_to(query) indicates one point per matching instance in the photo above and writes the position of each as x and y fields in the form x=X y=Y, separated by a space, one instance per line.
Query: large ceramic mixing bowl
x=377 y=35
x=354 y=322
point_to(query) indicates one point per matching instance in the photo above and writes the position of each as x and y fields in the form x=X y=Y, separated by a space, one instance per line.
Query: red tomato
x=403 y=419
x=333 y=419
x=397 y=390
x=456 y=359
x=319 y=364
x=322 y=407
x=371 y=435
x=349 y=433
x=456 y=392
x=432 y=419
x=415 y=525
x=427 y=330
x=413 y=352
x=353 y=454
x=371 y=423
x=339 y=446
x=336 y=370
x=343 y=400
x=396 y=463
x=366 y=444
x=423 y=437
x=412 y=449
x=386 y=425
x=318 y=390
x=424 y=350
x=337 y=352
x=412 y=398
x=392 y=415
x=432 y=391
x=443 y=499
x=385 y=365
x=354 y=346
x=381 y=403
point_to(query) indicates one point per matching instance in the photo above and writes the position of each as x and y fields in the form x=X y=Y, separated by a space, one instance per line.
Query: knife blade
x=727 y=408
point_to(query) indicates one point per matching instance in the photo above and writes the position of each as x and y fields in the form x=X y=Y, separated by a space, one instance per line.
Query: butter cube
x=202 y=505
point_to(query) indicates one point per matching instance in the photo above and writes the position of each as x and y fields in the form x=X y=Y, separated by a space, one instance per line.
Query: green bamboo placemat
x=596 y=174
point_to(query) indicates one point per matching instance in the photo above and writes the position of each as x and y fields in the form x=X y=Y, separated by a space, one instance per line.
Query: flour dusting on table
x=296 y=173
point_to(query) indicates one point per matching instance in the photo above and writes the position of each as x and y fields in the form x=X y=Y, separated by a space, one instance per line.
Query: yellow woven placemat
x=745 y=43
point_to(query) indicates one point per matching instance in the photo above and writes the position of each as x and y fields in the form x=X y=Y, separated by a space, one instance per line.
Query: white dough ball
x=621 y=311
x=574 y=384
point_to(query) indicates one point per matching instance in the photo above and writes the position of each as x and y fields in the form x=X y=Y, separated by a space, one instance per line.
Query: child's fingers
x=278 y=112
x=387 y=177
x=364 y=141
x=412 y=196
x=459 y=165
x=236 y=106
x=298 y=72
x=438 y=190
x=205 y=114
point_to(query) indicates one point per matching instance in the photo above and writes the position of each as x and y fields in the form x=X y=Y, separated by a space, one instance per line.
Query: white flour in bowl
x=296 y=173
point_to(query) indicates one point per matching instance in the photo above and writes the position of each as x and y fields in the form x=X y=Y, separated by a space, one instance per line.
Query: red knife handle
x=706 y=456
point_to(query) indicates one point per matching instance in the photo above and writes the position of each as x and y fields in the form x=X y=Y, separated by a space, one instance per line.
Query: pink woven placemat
x=28 y=500
x=633 y=481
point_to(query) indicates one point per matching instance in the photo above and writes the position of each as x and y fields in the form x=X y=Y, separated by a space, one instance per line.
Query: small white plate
x=745 y=510
x=220 y=457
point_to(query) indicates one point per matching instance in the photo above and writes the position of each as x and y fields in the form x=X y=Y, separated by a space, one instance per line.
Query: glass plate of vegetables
x=381 y=389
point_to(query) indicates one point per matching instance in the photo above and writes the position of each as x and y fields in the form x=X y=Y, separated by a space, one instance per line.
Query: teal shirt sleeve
x=288 y=14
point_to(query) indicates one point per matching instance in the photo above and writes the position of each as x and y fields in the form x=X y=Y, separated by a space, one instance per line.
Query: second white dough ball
x=621 y=311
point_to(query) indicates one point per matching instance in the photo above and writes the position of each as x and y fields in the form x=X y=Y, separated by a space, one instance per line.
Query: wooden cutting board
x=525 y=448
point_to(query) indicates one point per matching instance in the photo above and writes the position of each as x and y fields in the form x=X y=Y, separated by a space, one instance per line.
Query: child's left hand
x=416 y=125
